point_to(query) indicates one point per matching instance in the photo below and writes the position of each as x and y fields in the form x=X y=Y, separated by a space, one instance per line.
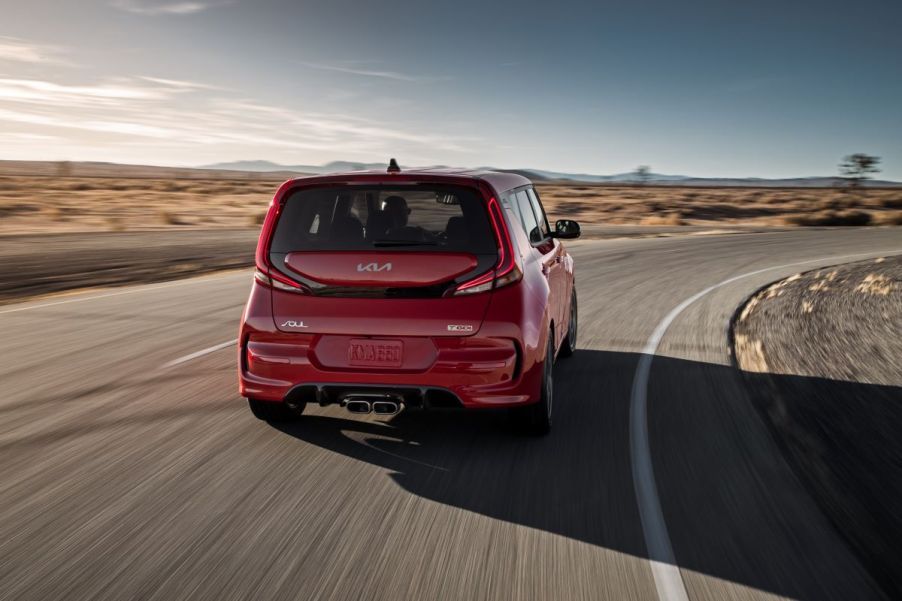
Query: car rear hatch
x=380 y=260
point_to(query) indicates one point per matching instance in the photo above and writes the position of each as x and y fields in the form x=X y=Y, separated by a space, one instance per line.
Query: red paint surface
x=396 y=269
x=497 y=363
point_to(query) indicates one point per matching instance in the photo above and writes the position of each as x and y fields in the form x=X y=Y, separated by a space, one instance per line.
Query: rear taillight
x=505 y=270
x=266 y=274
x=273 y=281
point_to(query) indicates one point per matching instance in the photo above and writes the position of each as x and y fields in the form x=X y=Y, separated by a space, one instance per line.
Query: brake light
x=278 y=283
x=266 y=274
x=506 y=271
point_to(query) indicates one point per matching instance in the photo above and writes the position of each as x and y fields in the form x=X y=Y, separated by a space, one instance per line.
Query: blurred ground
x=836 y=333
x=52 y=197
x=34 y=264
x=123 y=476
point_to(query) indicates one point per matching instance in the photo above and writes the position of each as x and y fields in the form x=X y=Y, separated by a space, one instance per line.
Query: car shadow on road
x=721 y=479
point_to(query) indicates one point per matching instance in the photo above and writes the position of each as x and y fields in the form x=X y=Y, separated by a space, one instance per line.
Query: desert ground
x=51 y=197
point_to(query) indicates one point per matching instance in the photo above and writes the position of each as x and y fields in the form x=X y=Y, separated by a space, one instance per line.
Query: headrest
x=377 y=225
x=456 y=230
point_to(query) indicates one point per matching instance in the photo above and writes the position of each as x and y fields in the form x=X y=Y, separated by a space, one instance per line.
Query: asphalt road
x=33 y=264
x=37 y=264
x=122 y=477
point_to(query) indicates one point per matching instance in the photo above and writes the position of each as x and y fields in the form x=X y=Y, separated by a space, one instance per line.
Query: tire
x=270 y=411
x=535 y=419
x=569 y=344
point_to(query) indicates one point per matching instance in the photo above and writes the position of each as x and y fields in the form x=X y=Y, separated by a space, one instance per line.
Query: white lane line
x=666 y=573
x=200 y=353
x=131 y=290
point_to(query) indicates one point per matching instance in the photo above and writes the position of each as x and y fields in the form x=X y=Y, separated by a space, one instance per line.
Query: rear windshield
x=417 y=218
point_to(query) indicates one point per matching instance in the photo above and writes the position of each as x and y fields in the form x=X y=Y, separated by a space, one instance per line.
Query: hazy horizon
x=768 y=90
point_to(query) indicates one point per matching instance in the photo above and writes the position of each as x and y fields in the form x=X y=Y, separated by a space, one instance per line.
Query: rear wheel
x=270 y=411
x=535 y=419
x=569 y=344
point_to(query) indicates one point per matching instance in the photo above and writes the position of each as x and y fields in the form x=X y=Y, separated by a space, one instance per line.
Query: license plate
x=375 y=353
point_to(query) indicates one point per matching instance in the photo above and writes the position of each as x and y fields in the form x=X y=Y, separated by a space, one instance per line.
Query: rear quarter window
x=528 y=217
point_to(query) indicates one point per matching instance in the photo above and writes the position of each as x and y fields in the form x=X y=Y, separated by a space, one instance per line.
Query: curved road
x=130 y=468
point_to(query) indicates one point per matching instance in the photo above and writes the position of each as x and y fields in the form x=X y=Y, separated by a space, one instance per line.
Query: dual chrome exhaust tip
x=378 y=404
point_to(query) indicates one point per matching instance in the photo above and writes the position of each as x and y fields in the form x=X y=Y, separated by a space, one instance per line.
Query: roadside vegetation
x=120 y=198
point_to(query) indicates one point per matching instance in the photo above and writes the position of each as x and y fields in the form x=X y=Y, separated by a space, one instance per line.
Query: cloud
x=169 y=8
x=195 y=119
x=179 y=84
x=370 y=73
x=28 y=137
x=33 y=90
x=21 y=51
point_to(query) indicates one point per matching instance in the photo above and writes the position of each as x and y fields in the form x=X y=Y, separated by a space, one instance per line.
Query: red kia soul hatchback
x=380 y=291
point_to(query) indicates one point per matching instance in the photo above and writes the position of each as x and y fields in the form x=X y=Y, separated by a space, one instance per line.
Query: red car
x=380 y=291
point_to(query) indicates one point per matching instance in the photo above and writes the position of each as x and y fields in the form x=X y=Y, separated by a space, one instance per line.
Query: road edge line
x=665 y=571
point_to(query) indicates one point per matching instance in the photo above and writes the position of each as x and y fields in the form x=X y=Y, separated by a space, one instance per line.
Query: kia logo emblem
x=373 y=267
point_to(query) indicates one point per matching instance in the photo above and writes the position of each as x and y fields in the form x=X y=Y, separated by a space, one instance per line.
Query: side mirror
x=566 y=228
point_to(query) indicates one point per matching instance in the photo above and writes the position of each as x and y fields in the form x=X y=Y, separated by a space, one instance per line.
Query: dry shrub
x=665 y=219
x=258 y=218
x=171 y=186
x=891 y=202
x=831 y=218
x=115 y=223
x=82 y=187
x=56 y=213
x=844 y=201
x=8 y=210
x=170 y=218
x=773 y=199
x=889 y=218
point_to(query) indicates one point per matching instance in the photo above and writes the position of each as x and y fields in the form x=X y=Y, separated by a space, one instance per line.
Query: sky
x=713 y=88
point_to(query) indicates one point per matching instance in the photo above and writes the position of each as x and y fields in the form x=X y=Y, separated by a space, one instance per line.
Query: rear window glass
x=417 y=218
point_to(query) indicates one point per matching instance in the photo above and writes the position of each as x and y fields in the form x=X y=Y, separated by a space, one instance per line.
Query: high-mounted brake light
x=505 y=270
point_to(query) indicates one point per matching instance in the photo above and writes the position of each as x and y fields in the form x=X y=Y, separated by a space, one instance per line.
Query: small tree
x=643 y=174
x=858 y=167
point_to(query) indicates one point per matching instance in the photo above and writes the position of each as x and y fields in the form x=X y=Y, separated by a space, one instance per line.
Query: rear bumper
x=468 y=372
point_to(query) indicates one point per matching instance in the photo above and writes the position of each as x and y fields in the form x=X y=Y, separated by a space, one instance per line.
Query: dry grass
x=41 y=203
x=660 y=205
x=831 y=218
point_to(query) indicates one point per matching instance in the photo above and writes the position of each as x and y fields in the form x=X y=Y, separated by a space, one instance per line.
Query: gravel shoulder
x=822 y=352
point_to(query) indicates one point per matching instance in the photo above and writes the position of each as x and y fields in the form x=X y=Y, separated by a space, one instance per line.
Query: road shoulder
x=822 y=355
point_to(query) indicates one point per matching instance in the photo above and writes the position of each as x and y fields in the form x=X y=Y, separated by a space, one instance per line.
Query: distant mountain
x=659 y=179
x=586 y=177
x=543 y=175
x=257 y=166
x=759 y=182
x=267 y=166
